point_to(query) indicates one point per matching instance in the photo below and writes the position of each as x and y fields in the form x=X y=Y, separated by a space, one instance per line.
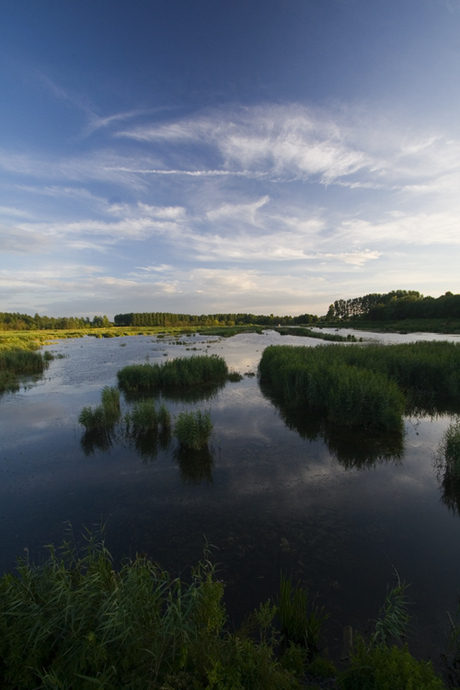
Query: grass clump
x=193 y=429
x=449 y=450
x=17 y=362
x=178 y=373
x=145 y=416
x=75 y=622
x=104 y=416
x=301 y=621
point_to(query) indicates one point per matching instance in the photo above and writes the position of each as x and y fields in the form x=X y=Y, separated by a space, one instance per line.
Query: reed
x=182 y=372
x=364 y=386
x=18 y=362
x=449 y=450
x=146 y=417
x=104 y=416
x=301 y=622
x=193 y=429
x=76 y=622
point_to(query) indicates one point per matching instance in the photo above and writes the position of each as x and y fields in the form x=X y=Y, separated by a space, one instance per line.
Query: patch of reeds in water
x=178 y=373
x=146 y=417
x=362 y=385
x=193 y=429
x=18 y=362
x=104 y=416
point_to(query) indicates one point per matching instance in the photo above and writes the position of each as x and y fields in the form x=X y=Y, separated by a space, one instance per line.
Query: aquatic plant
x=234 y=377
x=193 y=429
x=146 y=417
x=449 y=449
x=178 y=373
x=76 y=622
x=363 y=386
x=104 y=416
x=18 y=362
x=301 y=620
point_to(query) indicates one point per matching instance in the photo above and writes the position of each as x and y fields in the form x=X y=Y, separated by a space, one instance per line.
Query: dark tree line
x=24 y=322
x=396 y=305
x=166 y=319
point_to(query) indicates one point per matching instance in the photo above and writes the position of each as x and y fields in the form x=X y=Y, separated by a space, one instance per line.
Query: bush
x=388 y=668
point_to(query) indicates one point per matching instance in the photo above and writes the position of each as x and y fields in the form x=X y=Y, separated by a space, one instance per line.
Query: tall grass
x=301 y=621
x=362 y=385
x=193 y=429
x=74 y=622
x=104 y=416
x=178 y=373
x=15 y=363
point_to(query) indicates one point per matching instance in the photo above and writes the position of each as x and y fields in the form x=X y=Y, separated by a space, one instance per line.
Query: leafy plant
x=394 y=617
x=388 y=668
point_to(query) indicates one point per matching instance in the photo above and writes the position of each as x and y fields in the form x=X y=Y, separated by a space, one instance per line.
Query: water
x=268 y=499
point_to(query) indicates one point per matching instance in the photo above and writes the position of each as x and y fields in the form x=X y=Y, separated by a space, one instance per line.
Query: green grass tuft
x=193 y=429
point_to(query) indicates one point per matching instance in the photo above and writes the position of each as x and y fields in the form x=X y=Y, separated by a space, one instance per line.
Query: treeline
x=395 y=306
x=24 y=322
x=166 y=319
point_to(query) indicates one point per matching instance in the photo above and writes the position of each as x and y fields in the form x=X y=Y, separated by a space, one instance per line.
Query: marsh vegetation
x=182 y=372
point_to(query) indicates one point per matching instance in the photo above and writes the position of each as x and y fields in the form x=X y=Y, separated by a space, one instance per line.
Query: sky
x=262 y=156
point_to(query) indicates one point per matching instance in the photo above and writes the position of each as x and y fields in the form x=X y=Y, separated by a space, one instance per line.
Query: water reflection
x=97 y=439
x=450 y=487
x=195 y=465
x=148 y=443
x=353 y=448
x=196 y=394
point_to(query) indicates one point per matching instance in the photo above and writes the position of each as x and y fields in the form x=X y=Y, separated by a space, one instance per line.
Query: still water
x=270 y=498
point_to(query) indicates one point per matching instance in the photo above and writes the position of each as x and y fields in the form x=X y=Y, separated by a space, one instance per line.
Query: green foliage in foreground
x=388 y=668
x=301 y=621
x=74 y=622
x=177 y=373
x=362 y=386
x=193 y=429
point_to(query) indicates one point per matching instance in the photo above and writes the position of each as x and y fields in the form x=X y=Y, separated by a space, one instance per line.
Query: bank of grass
x=75 y=621
x=445 y=326
x=15 y=363
x=362 y=386
x=230 y=331
x=308 y=333
x=182 y=372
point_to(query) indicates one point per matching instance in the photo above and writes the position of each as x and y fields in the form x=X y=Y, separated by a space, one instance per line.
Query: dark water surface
x=269 y=499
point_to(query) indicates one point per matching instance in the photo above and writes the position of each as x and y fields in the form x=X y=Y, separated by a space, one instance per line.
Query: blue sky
x=264 y=156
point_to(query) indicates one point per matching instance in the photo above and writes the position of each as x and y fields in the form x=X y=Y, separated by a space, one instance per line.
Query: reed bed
x=75 y=622
x=182 y=372
x=193 y=429
x=15 y=363
x=363 y=386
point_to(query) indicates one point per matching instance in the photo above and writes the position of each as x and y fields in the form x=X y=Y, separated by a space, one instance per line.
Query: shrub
x=193 y=429
x=388 y=668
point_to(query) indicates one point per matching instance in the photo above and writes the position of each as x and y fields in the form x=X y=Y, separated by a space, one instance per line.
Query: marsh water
x=274 y=494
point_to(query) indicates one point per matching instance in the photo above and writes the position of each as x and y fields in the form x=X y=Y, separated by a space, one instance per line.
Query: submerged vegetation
x=76 y=621
x=178 y=373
